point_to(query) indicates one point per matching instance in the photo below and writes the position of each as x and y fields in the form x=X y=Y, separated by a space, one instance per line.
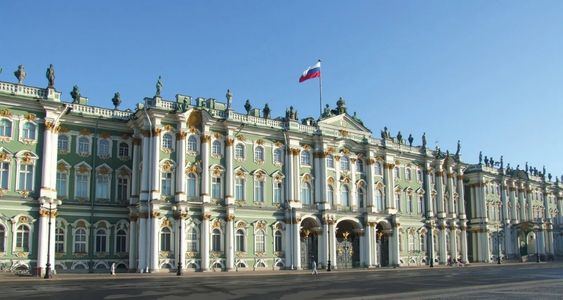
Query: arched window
x=4 y=174
x=305 y=158
x=359 y=166
x=239 y=189
x=167 y=141
x=62 y=184
x=378 y=200
x=103 y=150
x=216 y=240
x=191 y=185
x=398 y=201
x=123 y=150
x=62 y=143
x=259 y=190
x=239 y=241
x=330 y=161
x=421 y=208
x=396 y=173
x=259 y=153
x=216 y=187
x=166 y=182
x=409 y=174
x=101 y=240
x=410 y=242
x=361 y=197
x=121 y=241
x=278 y=191
x=83 y=146
x=80 y=240
x=423 y=243
x=330 y=195
x=59 y=240
x=25 y=173
x=260 y=241
x=345 y=163
x=102 y=186
x=306 y=193
x=28 y=131
x=239 y=151
x=165 y=239
x=5 y=128
x=192 y=239
x=378 y=169
x=192 y=144
x=410 y=204
x=216 y=148
x=419 y=175
x=2 y=239
x=278 y=156
x=278 y=241
x=122 y=188
x=344 y=196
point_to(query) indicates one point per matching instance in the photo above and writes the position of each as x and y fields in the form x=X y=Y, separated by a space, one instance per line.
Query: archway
x=348 y=244
x=309 y=234
x=382 y=246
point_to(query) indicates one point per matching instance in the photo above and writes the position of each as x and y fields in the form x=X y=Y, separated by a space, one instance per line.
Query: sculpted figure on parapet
x=50 y=74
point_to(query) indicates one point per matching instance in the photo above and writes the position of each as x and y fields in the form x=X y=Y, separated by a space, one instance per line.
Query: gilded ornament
x=23 y=219
x=343 y=132
x=181 y=135
x=61 y=167
x=229 y=141
x=4 y=112
x=168 y=127
x=30 y=117
x=206 y=216
x=105 y=135
x=241 y=137
x=205 y=138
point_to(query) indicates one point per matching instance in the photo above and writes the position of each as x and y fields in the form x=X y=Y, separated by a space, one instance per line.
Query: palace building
x=190 y=182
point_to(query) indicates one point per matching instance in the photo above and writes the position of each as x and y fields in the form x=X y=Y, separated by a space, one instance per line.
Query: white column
x=205 y=243
x=394 y=253
x=369 y=246
x=297 y=246
x=142 y=264
x=155 y=166
x=463 y=239
x=42 y=242
x=135 y=173
x=180 y=164
x=389 y=184
x=230 y=243
x=440 y=197
x=319 y=192
x=133 y=243
x=453 y=243
x=442 y=244
x=336 y=195
x=290 y=195
x=205 y=167
x=155 y=245
x=145 y=189
x=354 y=203
x=229 y=199
x=370 y=205
x=332 y=243
x=288 y=241
x=375 y=247
x=428 y=194
x=324 y=248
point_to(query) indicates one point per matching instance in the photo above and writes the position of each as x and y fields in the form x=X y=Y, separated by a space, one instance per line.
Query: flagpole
x=320 y=94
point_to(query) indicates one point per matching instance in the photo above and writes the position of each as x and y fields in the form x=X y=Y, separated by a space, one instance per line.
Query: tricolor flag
x=313 y=71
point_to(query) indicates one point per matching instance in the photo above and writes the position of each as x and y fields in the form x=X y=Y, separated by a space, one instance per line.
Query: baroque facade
x=191 y=181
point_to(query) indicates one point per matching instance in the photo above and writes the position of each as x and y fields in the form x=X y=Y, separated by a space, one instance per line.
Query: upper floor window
x=278 y=156
x=306 y=193
x=278 y=191
x=166 y=183
x=62 y=143
x=192 y=144
x=344 y=196
x=345 y=163
x=378 y=200
x=216 y=148
x=123 y=150
x=216 y=187
x=359 y=166
x=239 y=151
x=259 y=190
x=5 y=128
x=330 y=161
x=396 y=173
x=305 y=158
x=330 y=195
x=167 y=141
x=4 y=174
x=25 y=177
x=408 y=174
x=239 y=189
x=62 y=184
x=102 y=186
x=378 y=169
x=165 y=239
x=104 y=150
x=28 y=131
x=259 y=153
x=122 y=188
x=419 y=175
x=83 y=145
x=361 y=197
x=191 y=185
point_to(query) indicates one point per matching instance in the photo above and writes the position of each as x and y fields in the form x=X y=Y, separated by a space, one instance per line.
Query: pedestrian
x=113 y=269
x=314 y=266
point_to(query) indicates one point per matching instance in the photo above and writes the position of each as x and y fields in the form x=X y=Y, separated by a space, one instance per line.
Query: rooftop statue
x=116 y=100
x=158 y=86
x=75 y=94
x=327 y=112
x=410 y=139
x=480 y=157
x=229 y=97
x=247 y=106
x=424 y=140
x=399 y=137
x=50 y=74
x=458 y=150
x=266 y=111
x=20 y=74
x=501 y=162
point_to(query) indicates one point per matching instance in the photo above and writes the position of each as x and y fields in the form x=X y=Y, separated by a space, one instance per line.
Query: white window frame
x=163 y=147
x=85 y=242
x=11 y=133
x=196 y=144
x=257 y=158
x=262 y=243
x=105 y=235
x=8 y=172
x=217 y=152
x=89 y=139
x=109 y=149
x=305 y=158
x=24 y=139
x=119 y=150
x=237 y=156
x=68 y=142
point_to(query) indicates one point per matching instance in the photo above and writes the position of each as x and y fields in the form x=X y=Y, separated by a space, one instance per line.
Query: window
x=409 y=204
x=396 y=173
x=22 y=238
x=103 y=150
x=216 y=240
x=165 y=239
x=191 y=185
x=277 y=192
x=305 y=158
x=259 y=191
x=59 y=240
x=361 y=197
x=330 y=195
x=378 y=200
x=122 y=188
x=330 y=161
x=166 y=183
x=423 y=243
x=83 y=146
x=82 y=186
x=277 y=241
x=4 y=175
x=216 y=187
x=167 y=141
x=192 y=239
x=239 y=243
x=121 y=241
x=102 y=186
x=216 y=148
x=359 y=166
x=123 y=150
x=5 y=128
x=25 y=178
x=192 y=144
x=239 y=189
x=410 y=241
x=80 y=240
x=239 y=151
x=260 y=241
x=28 y=131
x=398 y=201
x=345 y=163
x=306 y=193
x=421 y=209
x=259 y=154
x=378 y=169
x=419 y=175
x=62 y=143
x=409 y=174
x=62 y=184
x=2 y=239
x=344 y=196
x=278 y=156
x=101 y=240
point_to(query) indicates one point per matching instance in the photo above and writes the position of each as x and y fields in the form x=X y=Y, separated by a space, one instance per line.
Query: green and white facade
x=195 y=182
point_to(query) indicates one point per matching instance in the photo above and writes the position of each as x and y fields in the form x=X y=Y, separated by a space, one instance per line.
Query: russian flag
x=313 y=71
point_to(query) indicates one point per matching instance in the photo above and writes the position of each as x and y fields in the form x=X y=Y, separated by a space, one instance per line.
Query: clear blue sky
x=489 y=73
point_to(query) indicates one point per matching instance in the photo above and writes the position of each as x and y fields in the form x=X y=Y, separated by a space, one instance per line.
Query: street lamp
x=538 y=241
x=179 y=212
x=499 y=235
x=328 y=269
x=50 y=210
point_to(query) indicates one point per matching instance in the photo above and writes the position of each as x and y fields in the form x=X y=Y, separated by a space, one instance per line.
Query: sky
x=488 y=73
